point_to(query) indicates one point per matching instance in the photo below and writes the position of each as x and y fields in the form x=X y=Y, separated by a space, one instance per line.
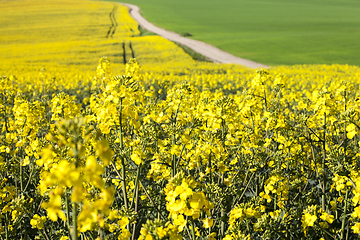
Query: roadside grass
x=144 y=32
x=196 y=56
x=271 y=32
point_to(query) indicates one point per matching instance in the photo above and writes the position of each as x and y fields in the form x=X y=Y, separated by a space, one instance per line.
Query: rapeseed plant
x=175 y=149
x=204 y=162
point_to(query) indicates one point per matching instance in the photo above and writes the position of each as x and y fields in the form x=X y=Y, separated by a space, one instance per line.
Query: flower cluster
x=184 y=201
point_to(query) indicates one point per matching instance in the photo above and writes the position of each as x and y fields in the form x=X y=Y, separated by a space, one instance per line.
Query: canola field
x=96 y=144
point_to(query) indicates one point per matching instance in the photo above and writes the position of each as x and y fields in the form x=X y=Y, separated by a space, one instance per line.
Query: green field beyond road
x=271 y=32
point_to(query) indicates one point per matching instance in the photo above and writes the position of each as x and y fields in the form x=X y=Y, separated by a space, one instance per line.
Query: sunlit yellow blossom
x=37 y=221
x=351 y=131
x=53 y=208
x=308 y=220
x=356 y=228
x=208 y=222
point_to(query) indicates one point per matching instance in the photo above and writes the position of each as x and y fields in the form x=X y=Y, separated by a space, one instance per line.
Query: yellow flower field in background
x=166 y=147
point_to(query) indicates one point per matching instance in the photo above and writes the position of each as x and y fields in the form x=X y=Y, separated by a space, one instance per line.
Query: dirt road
x=207 y=50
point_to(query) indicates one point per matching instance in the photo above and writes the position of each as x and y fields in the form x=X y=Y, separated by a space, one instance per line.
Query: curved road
x=207 y=50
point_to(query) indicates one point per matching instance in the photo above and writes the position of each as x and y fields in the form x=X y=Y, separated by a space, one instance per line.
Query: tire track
x=114 y=23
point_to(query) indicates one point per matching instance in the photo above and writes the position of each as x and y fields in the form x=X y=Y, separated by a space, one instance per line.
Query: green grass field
x=267 y=31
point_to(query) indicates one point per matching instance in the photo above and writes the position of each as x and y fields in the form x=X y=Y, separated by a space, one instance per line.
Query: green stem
x=154 y=204
x=6 y=228
x=246 y=187
x=344 y=215
x=21 y=178
x=120 y=125
x=28 y=182
x=21 y=168
x=42 y=234
x=123 y=182
x=188 y=231
x=136 y=185
x=265 y=101
x=67 y=211
x=123 y=170
x=210 y=173
x=136 y=210
x=192 y=229
x=222 y=223
x=75 y=234
x=275 y=202
x=173 y=162
x=223 y=137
